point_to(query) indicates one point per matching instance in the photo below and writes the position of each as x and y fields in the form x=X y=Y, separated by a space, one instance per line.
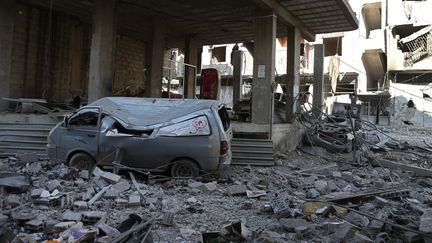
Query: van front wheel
x=82 y=161
x=184 y=168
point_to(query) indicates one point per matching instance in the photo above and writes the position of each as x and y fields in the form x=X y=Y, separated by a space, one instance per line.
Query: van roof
x=148 y=113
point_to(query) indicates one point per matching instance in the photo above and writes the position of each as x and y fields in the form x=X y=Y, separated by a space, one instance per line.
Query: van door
x=82 y=131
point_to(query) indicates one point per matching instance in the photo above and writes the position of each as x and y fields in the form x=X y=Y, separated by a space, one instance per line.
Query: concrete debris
x=305 y=199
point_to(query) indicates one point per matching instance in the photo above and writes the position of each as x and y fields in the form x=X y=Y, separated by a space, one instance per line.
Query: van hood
x=149 y=113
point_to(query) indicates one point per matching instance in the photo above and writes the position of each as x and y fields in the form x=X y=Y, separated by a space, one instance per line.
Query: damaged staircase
x=23 y=137
x=246 y=151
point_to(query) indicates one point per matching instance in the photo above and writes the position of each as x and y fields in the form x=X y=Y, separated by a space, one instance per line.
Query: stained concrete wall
x=45 y=64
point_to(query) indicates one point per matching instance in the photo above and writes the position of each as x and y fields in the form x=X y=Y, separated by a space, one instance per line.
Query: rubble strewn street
x=312 y=195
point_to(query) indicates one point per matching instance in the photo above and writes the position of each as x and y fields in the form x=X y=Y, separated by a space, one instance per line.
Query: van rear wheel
x=184 y=168
x=82 y=161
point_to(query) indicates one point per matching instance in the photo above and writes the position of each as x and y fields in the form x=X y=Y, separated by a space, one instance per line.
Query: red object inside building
x=210 y=84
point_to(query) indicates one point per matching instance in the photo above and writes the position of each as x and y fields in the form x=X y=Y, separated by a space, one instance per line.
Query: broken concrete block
x=71 y=216
x=168 y=219
x=111 y=177
x=191 y=200
x=92 y=217
x=80 y=205
x=151 y=200
x=289 y=224
x=64 y=225
x=337 y=174
x=426 y=222
x=84 y=174
x=36 y=193
x=303 y=231
x=344 y=232
x=120 y=203
x=101 y=183
x=209 y=187
x=108 y=230
x=90 y=192
x=134 y=200
x=53 y=184
x=12 y=201
x=34 y=225
x=34 y=168
x=45 y=194
x=195 y=185
x=313 y=193
x=347 y=175
x=122 y=186
x=111 y=193
x=331 y=186
x=321 y=186
x=97 y=172
x=236 y=190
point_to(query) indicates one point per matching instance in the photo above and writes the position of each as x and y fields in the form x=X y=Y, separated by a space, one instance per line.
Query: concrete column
x=263 y=69
x=156 y=48
x=7 y=20
x=318 y=84
x=191 y=54
x=102 y=49
x=237 y=74
x=293 y=72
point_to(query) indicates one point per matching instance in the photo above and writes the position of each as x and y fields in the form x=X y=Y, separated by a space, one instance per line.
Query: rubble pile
x=312 y=195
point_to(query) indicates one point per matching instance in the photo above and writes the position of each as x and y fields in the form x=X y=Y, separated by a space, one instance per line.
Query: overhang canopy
x=217 y=21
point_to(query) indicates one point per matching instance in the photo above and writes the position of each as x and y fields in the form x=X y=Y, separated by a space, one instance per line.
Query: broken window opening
x=219 y=54
x=332 y=46
x=87 y=117
x=416 y=46
x=223 y=115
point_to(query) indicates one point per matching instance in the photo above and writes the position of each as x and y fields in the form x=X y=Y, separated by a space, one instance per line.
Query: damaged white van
x=183 y=137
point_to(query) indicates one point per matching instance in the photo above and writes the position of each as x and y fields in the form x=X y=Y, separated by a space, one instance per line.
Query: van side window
x=223 y=115
x=87 y=117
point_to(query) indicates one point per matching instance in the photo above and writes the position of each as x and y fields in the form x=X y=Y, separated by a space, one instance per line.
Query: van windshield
x=223 y=115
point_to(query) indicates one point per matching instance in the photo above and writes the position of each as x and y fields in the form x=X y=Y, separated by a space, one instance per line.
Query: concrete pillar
x=293 y=72
x=318 y=84
x=237 y=74
x=7 y=20
x=191 y=54
x=263 y=69
x=156 y=48
x=102 y=49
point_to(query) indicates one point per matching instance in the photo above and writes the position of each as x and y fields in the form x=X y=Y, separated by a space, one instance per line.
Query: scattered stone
x=151 y=200
x=45 y=194
x=134 y=200
x=321 y=186
x=303 y=231
x=34 y=168
x=337 y=174
x=92 y=217
x=101 y=183
x=111 y=193
x=236 y=190
x=71 y=216
x=120 y=203
x=195 y=185
x=168 y=219
x=80 y=205
x=121 y=186
x=191 y=200
x=12 y=201
x=84 y=174
x=347 y=175
x=289 y=224
x=64 y=225
x=53 y=184
x=111 y=177
x=209 y=187
x=344 y=232
x=313 y=193
x=97 y=172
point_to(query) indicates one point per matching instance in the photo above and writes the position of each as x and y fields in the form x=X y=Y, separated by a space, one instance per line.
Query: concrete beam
x=156 y=47
x=263 y=69
x=318 y=83
x=7 y=20
x=237 y=63
x=102 y=49
x=293 y=72
x=191 y=59
x=289 y=18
